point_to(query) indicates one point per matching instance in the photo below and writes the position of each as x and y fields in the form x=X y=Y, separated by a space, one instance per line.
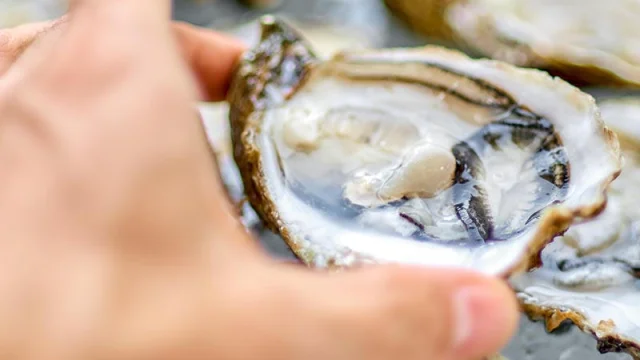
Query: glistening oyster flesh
x=420 y=156
x=591 y=275
x=583 y=41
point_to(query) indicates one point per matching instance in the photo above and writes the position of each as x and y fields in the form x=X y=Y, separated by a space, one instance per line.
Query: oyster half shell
x=587 y=42
x=418 y=156
x=591 y=275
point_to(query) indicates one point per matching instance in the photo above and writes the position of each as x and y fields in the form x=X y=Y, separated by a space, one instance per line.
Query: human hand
x=118 y=241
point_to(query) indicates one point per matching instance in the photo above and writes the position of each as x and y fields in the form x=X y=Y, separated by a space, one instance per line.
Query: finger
x=212 y=57
x=141 y=12
x=450 y=314
x=13 y=42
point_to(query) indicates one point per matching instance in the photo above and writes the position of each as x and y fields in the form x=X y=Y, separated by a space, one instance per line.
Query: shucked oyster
x=591 y=275
x=584 y=41
x=420 y=156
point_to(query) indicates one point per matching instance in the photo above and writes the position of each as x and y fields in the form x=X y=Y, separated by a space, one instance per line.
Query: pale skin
x=118 y=241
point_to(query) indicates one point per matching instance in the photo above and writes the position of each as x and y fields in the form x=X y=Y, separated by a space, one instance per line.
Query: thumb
x=442 y=314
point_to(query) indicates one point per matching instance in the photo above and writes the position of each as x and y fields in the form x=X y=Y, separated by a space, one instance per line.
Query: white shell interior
x=604 y=34
x=415 y=112
x=600 y=285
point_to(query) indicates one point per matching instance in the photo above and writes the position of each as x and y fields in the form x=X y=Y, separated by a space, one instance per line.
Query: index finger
x=212 y=57
x=14 y=41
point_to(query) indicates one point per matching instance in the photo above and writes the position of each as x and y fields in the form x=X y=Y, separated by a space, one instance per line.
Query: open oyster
x=420 y=156
x=591 y=275
x=584 y=41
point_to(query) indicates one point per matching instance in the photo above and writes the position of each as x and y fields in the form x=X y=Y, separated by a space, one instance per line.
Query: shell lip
x=555 y=219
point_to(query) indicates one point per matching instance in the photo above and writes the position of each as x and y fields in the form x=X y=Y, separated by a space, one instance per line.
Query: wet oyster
x=591 y=275
x=420 y=156
x=584 y=41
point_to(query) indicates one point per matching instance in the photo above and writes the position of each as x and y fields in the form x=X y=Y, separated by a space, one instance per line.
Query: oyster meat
x=584 y=41
x=419 y=156
x=591 y=275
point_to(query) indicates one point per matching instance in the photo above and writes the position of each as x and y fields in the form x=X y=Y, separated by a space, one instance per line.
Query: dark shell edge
x=606 y=343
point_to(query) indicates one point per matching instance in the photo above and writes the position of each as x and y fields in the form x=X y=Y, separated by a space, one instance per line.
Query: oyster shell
x=584 y=41
x=591 y=275
x=331 y=152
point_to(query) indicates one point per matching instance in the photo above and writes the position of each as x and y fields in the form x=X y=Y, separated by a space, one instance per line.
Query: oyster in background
x=428 y=17
x=587 y=42
x=591 y=275
x=419 y=156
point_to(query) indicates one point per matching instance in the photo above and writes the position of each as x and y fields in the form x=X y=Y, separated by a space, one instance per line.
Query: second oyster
x=588 y=42
x=419 y=156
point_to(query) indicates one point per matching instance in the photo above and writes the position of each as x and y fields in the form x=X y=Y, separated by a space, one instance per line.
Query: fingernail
x=475 y=314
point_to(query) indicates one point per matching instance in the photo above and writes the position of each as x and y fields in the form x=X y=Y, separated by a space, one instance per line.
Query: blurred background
x=330 y=25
